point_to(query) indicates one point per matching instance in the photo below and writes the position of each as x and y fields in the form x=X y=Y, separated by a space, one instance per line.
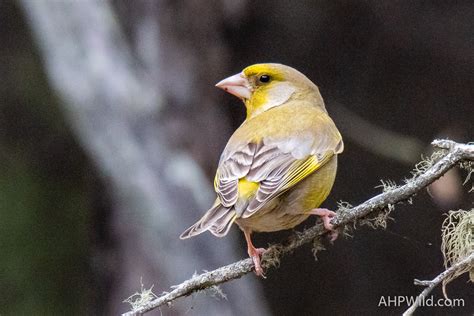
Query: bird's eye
x=264 y=78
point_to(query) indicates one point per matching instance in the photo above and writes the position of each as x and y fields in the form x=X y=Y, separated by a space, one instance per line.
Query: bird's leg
x=255 y=254
x=326 y=216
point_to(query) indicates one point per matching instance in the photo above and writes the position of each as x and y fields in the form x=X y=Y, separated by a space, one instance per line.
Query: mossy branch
x=453 y=154
x=458 y=251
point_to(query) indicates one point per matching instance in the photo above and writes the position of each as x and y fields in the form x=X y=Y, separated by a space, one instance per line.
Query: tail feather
x=217 y=219
x=221 y=227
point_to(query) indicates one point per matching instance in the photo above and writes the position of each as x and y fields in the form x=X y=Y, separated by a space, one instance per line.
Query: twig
x=456 y=153
x=430 y=285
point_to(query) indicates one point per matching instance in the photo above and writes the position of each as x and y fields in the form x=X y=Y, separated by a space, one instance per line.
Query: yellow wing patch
x=298 y=173
x=247 y=188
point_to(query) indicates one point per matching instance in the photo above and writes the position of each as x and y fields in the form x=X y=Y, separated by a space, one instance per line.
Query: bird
x=280 y=164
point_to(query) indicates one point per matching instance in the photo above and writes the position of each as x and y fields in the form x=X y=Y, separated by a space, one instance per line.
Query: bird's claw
x=326 y=216
x=256 y=254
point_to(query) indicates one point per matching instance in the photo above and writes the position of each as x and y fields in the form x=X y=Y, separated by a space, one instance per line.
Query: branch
x=455 y=153
x=430 y=285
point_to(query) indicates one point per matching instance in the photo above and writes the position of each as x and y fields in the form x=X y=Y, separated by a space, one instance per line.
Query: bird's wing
x=275 y=163
x=233 y=166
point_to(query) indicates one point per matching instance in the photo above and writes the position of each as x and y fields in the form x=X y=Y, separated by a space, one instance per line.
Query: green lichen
x=140 y=299
x=457 y=242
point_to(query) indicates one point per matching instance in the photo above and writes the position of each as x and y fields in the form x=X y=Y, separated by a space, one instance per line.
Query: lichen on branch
x=458 y=242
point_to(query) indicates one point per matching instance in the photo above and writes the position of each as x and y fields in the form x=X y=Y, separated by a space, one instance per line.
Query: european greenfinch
x=280 y=164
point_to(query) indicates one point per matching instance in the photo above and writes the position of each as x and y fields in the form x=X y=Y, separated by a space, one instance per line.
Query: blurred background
x=111 y=129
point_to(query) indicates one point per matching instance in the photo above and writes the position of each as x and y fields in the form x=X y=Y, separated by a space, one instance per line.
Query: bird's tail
x=217 y=220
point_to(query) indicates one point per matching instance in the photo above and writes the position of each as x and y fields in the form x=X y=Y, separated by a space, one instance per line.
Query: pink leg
x=255 y=254
x=326 y=216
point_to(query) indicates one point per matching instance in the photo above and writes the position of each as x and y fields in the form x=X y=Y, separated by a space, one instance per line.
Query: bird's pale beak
x=237 y=85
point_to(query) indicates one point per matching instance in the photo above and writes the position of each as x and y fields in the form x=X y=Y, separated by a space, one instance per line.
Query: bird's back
x=292 y=120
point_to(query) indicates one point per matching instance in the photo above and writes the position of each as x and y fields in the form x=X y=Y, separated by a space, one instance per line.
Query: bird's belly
x=292 y=207
x=271 y=223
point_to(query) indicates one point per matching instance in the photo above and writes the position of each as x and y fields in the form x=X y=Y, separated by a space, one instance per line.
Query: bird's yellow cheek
x=256 y=102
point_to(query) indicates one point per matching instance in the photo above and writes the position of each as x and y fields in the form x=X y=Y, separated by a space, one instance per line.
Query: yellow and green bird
x=280 y=164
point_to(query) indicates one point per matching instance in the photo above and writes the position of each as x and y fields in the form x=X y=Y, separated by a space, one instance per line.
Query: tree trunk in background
x=131 y=107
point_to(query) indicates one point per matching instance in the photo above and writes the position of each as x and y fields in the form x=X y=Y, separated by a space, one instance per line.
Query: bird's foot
x=255 y=254
x=326 y=216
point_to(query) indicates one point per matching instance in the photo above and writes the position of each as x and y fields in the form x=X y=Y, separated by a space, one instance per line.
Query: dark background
x=394 y=75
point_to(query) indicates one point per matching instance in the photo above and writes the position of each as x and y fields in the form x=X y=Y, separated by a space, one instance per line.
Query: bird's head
x=264 y=86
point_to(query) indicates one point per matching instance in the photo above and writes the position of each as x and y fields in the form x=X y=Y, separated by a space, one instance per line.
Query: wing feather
x=283 y=180
x=277 y=163
x=216 y=219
